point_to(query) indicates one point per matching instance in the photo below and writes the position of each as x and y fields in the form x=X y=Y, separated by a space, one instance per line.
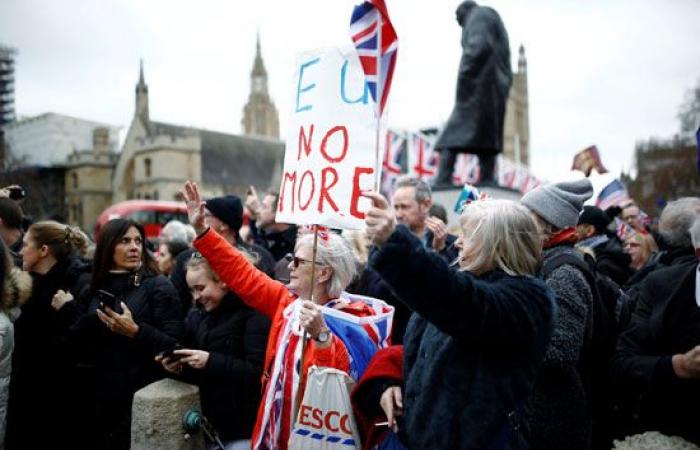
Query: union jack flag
x=391 y=165
x=423 y=159
x=613 y=194
x=466 y=169
x=377 y=45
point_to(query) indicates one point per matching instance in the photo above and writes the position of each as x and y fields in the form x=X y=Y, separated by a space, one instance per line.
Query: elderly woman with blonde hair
x=478 y=334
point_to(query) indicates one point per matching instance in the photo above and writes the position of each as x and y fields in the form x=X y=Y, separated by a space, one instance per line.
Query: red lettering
x=354 y=200
x=304 y=414
x=323 y=193
x=305 y=143
x=328 y=421
x=317 y=414
x=292 y=177
x=344 y=425
x=330 y=132
x=303 y=206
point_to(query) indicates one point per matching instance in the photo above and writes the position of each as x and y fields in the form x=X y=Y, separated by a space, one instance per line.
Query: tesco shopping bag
x=325 y=420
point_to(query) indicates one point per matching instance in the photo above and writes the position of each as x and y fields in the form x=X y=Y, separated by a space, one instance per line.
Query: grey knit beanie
x=559 y=203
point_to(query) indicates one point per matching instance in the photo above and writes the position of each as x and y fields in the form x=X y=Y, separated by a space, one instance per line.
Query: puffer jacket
x=17 y=289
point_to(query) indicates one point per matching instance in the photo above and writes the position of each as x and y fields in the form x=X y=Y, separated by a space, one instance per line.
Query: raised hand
x=195 y=206
x=380 y=219
x=439 y=230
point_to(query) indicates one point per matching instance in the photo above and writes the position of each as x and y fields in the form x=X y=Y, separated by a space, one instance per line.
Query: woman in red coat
x=290 y=311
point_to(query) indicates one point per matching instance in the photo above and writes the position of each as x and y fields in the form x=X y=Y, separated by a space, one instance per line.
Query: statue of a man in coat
x=483 y=83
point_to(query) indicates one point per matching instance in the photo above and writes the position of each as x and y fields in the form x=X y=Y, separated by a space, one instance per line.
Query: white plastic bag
x=325 y=420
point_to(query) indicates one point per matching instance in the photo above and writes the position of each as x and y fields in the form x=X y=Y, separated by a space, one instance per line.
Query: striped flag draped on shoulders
x=377 y=45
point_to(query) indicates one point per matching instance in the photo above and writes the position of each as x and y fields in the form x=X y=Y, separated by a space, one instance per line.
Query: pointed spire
x=522 y=61
x=141 y=96
x=258 y=65
x=141 y=82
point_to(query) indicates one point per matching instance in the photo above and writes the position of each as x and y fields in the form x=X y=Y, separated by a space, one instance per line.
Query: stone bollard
x=156 y=421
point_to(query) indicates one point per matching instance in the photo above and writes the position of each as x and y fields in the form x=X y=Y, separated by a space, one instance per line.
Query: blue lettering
x=363 y=99
x=305 y=88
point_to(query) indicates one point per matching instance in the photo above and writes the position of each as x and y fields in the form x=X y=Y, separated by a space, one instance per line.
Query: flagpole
x=378 y=104
x=305 y=336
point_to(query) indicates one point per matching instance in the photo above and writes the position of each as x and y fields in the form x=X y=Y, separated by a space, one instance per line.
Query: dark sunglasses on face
x=295 y=260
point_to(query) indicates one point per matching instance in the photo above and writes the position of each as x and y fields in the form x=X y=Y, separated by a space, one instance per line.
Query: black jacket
x=44 y=370
x=124 y=365
x=472 y=347
x=666 y=321
x=230 y=391
x=483 y=84
x=277 y=243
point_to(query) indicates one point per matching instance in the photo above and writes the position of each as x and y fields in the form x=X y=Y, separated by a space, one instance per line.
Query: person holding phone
x=122 y=339
x=224 y=354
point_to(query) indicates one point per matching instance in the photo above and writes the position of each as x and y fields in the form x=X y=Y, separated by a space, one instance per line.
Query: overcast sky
x=600 y=72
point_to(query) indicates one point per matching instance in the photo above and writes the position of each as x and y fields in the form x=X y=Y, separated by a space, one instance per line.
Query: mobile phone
x=106 y=298
x=16 y=192
x=170 y=353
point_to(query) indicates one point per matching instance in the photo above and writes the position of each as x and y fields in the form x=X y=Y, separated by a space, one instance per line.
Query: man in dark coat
x=483 y=83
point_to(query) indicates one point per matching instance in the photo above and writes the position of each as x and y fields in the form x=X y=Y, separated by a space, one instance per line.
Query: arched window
x=147 y=167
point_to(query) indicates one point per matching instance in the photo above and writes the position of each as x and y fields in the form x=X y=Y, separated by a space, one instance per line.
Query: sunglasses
x=295 y=260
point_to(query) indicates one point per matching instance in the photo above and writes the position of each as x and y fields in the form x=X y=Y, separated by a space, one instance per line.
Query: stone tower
x=260 y=116
x=89 y=180
x=516 y=134
x=141 y=109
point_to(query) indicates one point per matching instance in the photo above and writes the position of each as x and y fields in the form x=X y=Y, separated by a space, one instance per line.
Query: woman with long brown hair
x=129 y=315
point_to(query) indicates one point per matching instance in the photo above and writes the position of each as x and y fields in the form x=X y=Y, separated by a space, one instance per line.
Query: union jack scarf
x=362 y=337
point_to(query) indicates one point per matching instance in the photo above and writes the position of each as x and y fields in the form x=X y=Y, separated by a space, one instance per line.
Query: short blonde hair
x=500 y=234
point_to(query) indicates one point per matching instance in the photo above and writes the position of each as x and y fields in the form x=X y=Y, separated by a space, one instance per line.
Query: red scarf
x=565 y=236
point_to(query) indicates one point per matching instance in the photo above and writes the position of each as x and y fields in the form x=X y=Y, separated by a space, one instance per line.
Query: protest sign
x=329 y=157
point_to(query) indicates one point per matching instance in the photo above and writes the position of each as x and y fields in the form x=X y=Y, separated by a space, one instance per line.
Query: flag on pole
x=466 y=169
x=377 y=45
x=613 y=194
x=588 y=159
x=391 y=165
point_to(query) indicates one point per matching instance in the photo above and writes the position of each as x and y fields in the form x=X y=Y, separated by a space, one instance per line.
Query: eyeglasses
x=295 y=260
x=196 y=255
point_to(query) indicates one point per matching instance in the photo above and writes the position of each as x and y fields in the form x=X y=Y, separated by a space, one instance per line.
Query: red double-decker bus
x=152 y=214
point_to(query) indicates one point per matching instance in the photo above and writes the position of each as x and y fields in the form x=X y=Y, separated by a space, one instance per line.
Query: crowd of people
x=542 y=323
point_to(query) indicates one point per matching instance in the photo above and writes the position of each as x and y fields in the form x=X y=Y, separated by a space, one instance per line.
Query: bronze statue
x=483 y=83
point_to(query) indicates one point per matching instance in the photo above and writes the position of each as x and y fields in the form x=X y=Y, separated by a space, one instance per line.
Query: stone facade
x=260 y=116
x=88 y=181
x=516 y=133
x=157 y=158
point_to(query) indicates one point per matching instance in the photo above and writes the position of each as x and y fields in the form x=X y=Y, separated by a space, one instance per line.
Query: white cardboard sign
x=330 y=153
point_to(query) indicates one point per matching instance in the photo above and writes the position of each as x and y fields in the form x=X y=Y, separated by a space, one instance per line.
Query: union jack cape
x=362 y=337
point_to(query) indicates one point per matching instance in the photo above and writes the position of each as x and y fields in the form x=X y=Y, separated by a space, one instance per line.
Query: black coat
x=483 y=84
x=235 y=337
x=665 y=322
x=124 y=365
x=44 y=366
x=472 y=348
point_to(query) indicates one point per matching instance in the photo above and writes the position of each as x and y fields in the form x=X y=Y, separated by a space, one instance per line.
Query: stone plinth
x=157 y=413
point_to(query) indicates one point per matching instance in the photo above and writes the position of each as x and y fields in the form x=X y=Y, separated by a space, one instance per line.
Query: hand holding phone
x=106 y=299
x=170 y=353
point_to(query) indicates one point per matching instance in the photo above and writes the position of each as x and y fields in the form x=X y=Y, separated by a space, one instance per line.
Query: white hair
x=676 y=220
x=176 y=231
x=500 y=234
x=335 y=252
